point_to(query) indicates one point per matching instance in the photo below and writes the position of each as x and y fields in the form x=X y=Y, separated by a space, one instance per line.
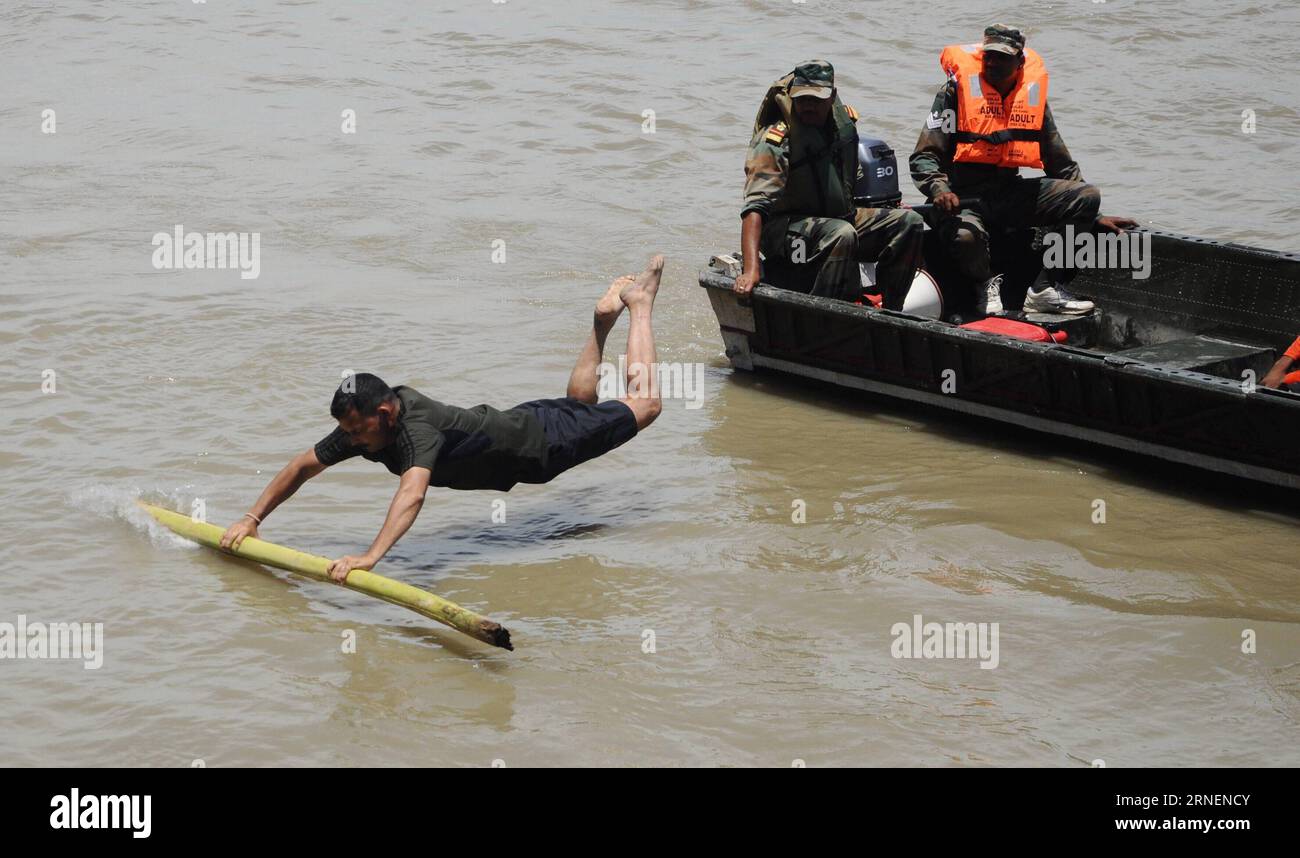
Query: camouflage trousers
x=820 y=255
x=1021 y=203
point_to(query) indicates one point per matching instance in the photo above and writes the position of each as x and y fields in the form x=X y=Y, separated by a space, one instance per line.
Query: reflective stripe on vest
x=990 y=129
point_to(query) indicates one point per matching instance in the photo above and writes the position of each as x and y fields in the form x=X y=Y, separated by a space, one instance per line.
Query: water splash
x=120 y=502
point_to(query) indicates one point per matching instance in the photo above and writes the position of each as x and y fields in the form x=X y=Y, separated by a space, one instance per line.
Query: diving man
x=426 y=443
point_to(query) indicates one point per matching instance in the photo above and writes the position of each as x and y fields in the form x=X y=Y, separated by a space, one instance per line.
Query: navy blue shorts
x=576 y=431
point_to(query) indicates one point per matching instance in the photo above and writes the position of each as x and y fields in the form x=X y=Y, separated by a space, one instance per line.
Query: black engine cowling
x=877 y=185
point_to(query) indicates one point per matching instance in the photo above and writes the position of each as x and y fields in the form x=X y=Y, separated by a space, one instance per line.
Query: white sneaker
x=1055 y=299
x=989 y=300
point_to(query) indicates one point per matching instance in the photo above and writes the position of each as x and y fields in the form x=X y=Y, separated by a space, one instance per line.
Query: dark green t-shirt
x=465 y=448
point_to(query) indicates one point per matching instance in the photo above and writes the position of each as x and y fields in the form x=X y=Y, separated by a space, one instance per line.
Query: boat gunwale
x=766 y=293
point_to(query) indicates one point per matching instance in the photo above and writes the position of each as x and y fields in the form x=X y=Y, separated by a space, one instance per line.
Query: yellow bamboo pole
x=361 y=580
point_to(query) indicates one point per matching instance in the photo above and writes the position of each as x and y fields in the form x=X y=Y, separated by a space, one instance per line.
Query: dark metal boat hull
x=1240 y=297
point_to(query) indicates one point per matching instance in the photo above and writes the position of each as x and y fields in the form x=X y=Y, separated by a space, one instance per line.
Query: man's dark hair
x=362 y=391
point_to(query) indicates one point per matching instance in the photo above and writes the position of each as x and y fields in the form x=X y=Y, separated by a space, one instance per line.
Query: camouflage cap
x=1004 y=39
x=815 y=77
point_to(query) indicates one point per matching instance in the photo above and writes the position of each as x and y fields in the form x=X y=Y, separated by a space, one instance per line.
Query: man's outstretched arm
x=402 y=513
x=300 y=469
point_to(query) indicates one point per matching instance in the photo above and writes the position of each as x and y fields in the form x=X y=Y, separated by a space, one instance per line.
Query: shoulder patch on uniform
x=853 y=114
x=775 y=134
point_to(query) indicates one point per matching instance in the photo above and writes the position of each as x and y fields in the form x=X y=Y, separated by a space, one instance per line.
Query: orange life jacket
x=990 y=129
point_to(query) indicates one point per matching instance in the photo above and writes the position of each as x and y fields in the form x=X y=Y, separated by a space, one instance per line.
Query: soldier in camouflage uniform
x=1008 y=199
x=798 y=210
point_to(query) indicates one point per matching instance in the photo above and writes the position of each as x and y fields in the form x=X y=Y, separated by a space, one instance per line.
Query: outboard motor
x=878 y=185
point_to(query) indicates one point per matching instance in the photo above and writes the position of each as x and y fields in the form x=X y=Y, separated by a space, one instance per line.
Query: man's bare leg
x=585 y=377
x=642 y=363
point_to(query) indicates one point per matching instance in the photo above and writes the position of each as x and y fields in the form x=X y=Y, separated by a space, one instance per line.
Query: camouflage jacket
x=825 y=183
x=934 y=172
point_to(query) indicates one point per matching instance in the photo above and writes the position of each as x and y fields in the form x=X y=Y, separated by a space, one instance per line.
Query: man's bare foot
x=610 y=305
x=646 y=285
